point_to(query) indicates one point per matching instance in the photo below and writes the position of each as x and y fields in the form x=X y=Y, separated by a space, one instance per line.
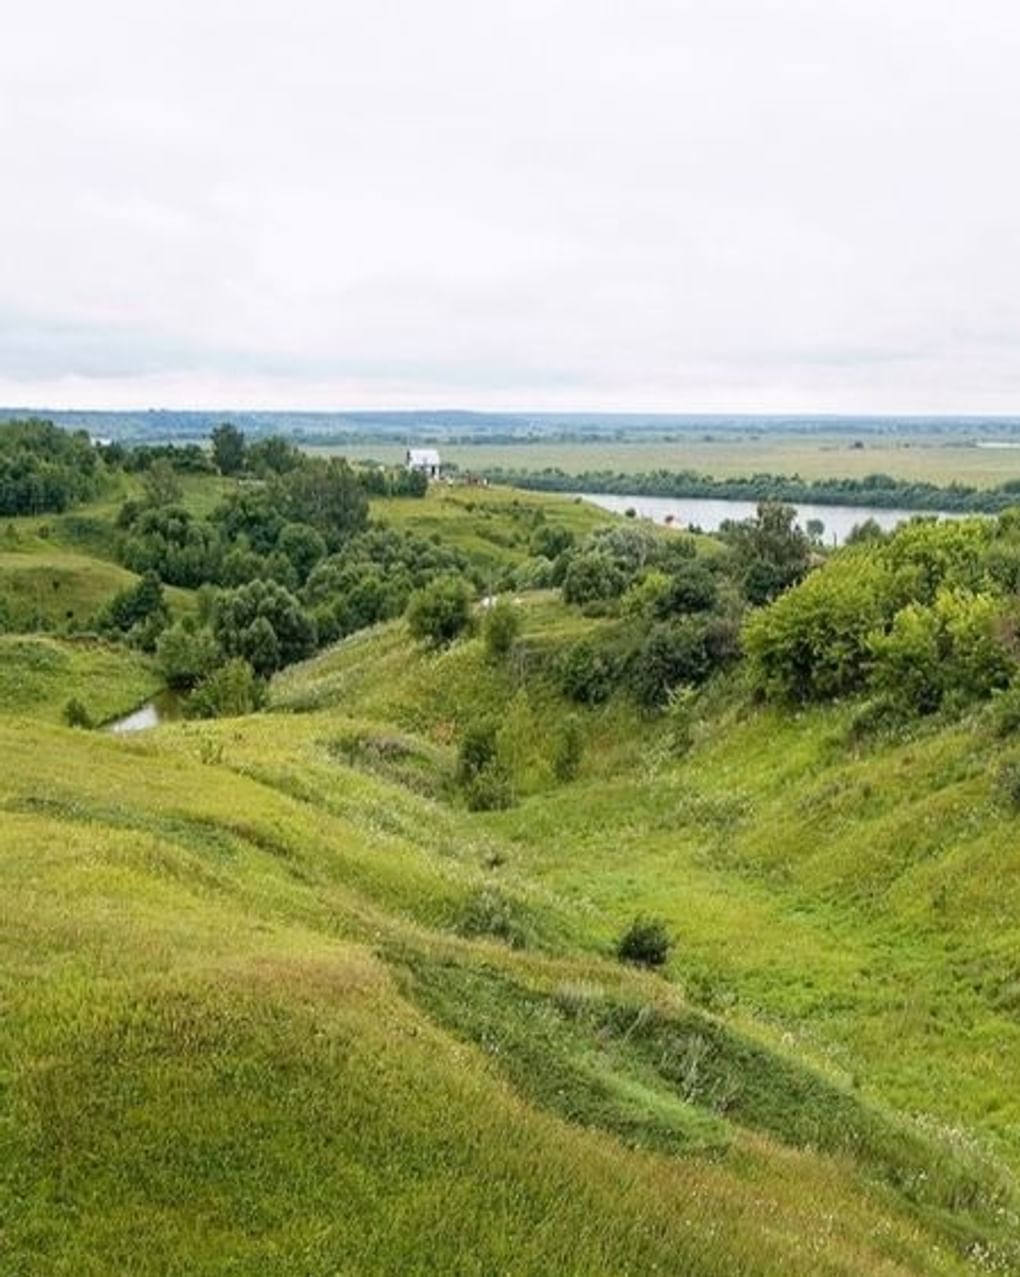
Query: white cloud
x=772 y=204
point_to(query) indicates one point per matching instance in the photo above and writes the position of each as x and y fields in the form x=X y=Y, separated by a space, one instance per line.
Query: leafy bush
x=568 y=749
x=593 y=577
x=139 y=612
x=75 y=714
x=228 y=692
x=302 y=546
x=670 y=654
x=263 y=623
x=325 y=494
x=182 y=550
x=646 y=943
x=44 y=468
x=491 y=790
x=228 y=448
x=500 y=628
x=922 y=616
x=1006 y=711
x=477 y=750
x=588 y=673
x=1008 y=781
x=160 y=484
x=484 y=780
x=440 y=612
x=187 y=653
x=488 y=912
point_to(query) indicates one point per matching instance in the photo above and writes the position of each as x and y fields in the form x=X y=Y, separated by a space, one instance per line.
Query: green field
x=815 y=456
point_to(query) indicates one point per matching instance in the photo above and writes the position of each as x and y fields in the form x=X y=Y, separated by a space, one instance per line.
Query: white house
x=424 y=459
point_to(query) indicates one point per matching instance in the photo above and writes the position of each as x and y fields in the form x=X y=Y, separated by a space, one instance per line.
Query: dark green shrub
x=186 y=653
x=1008 y=781
x=477 y=750
x=587 y=673
x=876 y=716
x=483 y=779
x=671 y=654
x=490 y=790
x=593 y=577
x=228 y=692
x=263 y=623
x=1006 y=712
x=488 y=912
x=646 y=943
x=568 y=749
x=76 y=715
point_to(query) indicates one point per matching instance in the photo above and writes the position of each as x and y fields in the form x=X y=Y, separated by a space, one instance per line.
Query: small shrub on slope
x=646 y=943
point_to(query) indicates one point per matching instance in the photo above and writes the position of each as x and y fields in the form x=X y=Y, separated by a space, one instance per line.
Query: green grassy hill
x=275 y=999
x=491 y=526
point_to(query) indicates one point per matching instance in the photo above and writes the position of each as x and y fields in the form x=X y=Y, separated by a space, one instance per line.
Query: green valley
x=525 y=890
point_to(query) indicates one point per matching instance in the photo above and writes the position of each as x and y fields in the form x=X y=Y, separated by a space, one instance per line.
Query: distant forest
x=448 y=427
x=880 y=490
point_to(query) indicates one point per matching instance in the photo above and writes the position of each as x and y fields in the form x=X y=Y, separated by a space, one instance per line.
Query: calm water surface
x=708 y=513
x=165 y=707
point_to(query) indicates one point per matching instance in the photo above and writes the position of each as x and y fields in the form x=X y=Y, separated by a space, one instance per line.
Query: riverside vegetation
x=531 y=891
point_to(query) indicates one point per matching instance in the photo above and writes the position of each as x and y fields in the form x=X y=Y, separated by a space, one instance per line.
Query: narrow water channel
x=165 y=707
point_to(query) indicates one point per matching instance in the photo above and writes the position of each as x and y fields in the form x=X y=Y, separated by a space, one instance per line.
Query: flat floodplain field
x=934 y=458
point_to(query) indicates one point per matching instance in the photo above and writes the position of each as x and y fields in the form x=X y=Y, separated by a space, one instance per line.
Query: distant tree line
x=880 y=490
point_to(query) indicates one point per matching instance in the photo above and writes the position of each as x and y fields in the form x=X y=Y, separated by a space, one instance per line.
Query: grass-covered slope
x=39 y=675
x=276 y=1000
x=241 y=1033
x=857 y=902
x=491 y=526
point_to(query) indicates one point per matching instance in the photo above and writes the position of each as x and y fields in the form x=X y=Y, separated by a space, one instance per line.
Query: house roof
x=422 y=457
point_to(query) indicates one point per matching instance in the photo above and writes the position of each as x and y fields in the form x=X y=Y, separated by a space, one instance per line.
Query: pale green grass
x=61 y=586
x=812 y=457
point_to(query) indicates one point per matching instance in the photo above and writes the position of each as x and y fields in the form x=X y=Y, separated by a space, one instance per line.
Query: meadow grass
x=218 y=1055
x=814 y=456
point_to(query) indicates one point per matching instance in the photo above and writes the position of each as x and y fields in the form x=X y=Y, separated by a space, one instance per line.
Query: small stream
x=166 y=706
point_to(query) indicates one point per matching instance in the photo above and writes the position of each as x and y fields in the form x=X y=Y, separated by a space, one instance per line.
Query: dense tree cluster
x=285 y=562
x=677 y=613
x=44 y=469
x=920 y=618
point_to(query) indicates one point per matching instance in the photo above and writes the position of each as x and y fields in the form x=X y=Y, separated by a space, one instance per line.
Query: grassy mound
x=39 y=675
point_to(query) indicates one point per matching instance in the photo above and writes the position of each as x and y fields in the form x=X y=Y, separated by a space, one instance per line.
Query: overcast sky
x=684 y=205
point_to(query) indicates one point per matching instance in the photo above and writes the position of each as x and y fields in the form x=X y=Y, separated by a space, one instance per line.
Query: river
x=708 y=513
